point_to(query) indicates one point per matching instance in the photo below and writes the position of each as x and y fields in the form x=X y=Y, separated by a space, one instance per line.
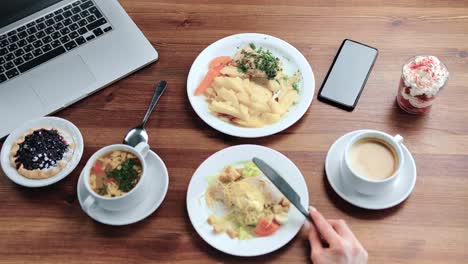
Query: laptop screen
x=14 y=10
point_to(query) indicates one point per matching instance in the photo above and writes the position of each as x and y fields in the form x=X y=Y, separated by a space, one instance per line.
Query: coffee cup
x=373 y=162
x=127 y=200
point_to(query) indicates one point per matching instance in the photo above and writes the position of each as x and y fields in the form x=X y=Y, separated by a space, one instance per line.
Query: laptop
x=56 y=52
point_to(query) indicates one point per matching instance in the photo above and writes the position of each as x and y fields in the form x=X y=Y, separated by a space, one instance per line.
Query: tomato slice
x=97 y=167
x=266 y=227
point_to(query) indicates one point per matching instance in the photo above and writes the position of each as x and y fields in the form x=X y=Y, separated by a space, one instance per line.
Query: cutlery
x=138 y=134
x=282 y=186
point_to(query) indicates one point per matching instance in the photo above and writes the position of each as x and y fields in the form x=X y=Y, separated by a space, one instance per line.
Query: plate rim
x=150 y=212
x=346 y=198
x=230 y=252
x=254 y=132
x=68 y=126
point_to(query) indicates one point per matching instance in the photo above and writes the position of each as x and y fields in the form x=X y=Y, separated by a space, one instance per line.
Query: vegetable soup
x=115 y=173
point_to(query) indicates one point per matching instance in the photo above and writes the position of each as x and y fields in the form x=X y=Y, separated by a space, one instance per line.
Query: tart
x=42 y=153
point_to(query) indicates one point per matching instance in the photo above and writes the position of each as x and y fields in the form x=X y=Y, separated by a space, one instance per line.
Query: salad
x=253 y=207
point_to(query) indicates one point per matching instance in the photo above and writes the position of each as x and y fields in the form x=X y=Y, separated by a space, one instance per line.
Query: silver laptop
x=56 y=52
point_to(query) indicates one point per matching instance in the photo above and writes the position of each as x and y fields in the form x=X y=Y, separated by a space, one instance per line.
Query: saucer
x=54 y=122
x=157 y=183
x=401 y=190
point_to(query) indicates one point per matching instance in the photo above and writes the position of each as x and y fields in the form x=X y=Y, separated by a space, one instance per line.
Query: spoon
x=138 y=134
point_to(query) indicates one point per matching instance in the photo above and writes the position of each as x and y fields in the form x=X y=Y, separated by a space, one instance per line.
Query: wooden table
x=47 y=225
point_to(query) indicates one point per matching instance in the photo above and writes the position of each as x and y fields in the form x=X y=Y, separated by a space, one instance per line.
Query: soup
x=115 y=173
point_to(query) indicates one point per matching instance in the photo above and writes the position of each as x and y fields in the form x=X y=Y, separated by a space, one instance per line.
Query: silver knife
x=282 y=186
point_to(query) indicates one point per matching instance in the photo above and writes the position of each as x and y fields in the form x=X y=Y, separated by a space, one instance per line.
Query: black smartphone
x=348 y=74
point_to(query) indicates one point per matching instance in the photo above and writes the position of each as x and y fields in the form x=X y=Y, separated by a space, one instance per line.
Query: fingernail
x=311 y=208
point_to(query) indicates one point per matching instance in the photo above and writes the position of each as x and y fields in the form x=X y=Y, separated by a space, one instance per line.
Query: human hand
x=331 y=241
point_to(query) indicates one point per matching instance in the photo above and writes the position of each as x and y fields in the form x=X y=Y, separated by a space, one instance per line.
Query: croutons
x=285 y=203
x=277 y=208
x=211 y=220
x=230 y=174
x=232 y=233
x=219 y=229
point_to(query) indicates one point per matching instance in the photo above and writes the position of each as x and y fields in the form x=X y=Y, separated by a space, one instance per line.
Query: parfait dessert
x=422 y=78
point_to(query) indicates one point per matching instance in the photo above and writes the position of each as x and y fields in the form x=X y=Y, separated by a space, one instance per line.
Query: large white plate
x=292 y=60
x=199 y=212
x=56 y=122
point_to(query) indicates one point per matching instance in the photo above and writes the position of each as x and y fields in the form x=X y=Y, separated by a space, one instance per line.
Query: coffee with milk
x=373 y=158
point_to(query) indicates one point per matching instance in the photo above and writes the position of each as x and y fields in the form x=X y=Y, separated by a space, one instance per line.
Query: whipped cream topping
x=425 y=75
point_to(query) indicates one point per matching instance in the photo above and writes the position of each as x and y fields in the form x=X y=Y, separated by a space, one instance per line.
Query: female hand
x=331 y=241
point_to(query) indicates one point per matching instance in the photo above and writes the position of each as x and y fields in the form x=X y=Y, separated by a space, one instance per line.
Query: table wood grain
x=46 y=225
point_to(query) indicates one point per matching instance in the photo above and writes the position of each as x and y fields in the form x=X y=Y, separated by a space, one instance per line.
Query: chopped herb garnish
x=102 y=191
x=261 y=59
x=242 y=67
x=253 y=46
x=126 y=176
x=295 y=86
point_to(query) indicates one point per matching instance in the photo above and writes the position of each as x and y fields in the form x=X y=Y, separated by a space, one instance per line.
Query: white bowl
x=292 y=60
x=55 y=122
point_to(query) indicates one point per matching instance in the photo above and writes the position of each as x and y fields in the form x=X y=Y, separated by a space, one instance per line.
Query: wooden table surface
x=46 y=225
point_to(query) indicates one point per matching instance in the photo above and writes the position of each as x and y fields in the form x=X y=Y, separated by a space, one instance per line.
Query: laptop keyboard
x=49 y=36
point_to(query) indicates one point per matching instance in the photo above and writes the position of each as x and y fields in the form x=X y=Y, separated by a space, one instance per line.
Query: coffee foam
x=373 y=158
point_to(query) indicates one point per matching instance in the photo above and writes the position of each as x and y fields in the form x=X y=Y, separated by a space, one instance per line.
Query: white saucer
x=55 y=122
x=157 y=184
x=402 y=189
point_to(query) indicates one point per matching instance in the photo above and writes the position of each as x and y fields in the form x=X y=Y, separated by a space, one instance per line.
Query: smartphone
x=348 y=74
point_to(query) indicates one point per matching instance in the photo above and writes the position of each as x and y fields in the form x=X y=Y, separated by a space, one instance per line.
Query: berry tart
x=42 y=153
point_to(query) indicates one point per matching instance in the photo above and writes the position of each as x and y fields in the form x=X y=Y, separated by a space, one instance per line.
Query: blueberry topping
x=41 y=149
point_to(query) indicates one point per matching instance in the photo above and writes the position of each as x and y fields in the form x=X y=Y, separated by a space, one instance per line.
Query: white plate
x=292 y=60
x=156 y=185
x=401 y=190
x=56 y=122
x=199 y=212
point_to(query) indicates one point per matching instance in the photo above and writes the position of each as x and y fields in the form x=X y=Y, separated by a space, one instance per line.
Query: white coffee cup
x=126 y=201
x=364 y=184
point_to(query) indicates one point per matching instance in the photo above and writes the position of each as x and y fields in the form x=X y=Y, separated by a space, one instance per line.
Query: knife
x=282 y=186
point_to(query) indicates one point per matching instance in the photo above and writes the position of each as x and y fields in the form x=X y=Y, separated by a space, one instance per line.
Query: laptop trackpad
x=62 y=81
x=18 y=103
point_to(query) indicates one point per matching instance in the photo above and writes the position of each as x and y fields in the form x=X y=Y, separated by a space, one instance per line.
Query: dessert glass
x=422 y=78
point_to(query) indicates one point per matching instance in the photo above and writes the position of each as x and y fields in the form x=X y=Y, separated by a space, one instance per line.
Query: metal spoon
x=138 y=134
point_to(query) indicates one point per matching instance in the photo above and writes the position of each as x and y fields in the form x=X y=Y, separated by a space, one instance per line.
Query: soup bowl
x=127 y=200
